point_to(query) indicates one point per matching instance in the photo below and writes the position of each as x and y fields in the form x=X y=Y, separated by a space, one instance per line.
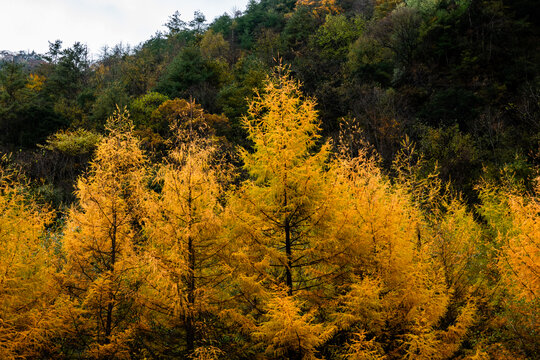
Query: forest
x=301 y=180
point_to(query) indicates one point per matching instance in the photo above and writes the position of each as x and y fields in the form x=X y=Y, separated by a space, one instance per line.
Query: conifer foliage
x=308 y=251
x=27 y=267
x=184 y=243
x=103 y=273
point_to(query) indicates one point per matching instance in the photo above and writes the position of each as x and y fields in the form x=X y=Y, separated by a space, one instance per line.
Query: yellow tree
x=394 y=295
x=281 y=207
x=102 y=236
x=28 y=321
x=279 y=214
x=450 y=234
x=185 y=245
x=514 y=222
x=286 y=332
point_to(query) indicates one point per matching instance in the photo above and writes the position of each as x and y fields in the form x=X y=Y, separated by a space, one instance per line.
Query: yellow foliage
x=103 y=268
x=321 y=8
x=207 y=353
x=27 y=267
x=362 y=304
x=394 y=283
x=520 y=254
x=73 y=143
x=185 y=245
x=514 y=218
x=213 y=45
x=35 y=82
x=363 y=349
x=286 y=333
x=279 y=214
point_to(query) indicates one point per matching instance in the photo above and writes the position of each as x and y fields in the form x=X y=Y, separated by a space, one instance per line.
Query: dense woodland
x=310 y=179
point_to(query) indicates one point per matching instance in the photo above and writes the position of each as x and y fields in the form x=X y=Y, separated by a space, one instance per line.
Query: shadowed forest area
x=310 y=179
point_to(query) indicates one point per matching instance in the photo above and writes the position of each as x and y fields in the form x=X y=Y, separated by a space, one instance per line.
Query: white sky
x=30 y=24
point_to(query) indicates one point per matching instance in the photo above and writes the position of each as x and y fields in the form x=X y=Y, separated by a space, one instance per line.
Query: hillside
x=310 y=179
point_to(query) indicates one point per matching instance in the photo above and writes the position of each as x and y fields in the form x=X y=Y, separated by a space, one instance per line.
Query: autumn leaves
x=307 y=254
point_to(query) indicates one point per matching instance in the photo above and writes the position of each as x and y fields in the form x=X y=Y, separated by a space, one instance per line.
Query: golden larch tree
x=513 y=217
x=28 y=290
x=393 y=296
x=185 y=244
x=103 y=271
x=279 y=215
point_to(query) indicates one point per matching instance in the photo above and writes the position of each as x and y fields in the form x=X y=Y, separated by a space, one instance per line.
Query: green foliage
x=223 y=25
x=107 y=102
x=73 y=143
x=454 y=153
x=141 y=109
x=450 y=106
x=336 y=35
x=187 y=74
x=175 y=23
x=26 y=115
x=70 y=73
x=299 y=28
x=249 y=73
x=260 y=15
x=370 y=62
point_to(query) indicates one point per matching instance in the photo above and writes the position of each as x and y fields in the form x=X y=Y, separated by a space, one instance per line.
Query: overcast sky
x=30 y=24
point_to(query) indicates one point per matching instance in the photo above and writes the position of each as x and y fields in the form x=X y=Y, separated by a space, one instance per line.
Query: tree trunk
x=190 y=329
x=288 y=251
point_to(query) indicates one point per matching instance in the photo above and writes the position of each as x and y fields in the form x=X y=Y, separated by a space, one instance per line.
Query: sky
x=29 y=24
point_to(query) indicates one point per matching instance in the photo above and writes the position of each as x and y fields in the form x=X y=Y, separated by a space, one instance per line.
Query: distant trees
x=26 y=115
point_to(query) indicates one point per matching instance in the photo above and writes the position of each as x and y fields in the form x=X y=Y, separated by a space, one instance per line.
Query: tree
x=70 y=73
x=112 y=98
x=26 y=116
x=197 y=24
x=185 y=246
x=101 y=246
x=189 y=74
x=214 y=46
x=514 y=223
x=283 y=201
x=175 y=23
x=279 y=216
x=141 y=109
x=183 y=118
x=29 y=320
x=392 y=299
x=289 y=333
